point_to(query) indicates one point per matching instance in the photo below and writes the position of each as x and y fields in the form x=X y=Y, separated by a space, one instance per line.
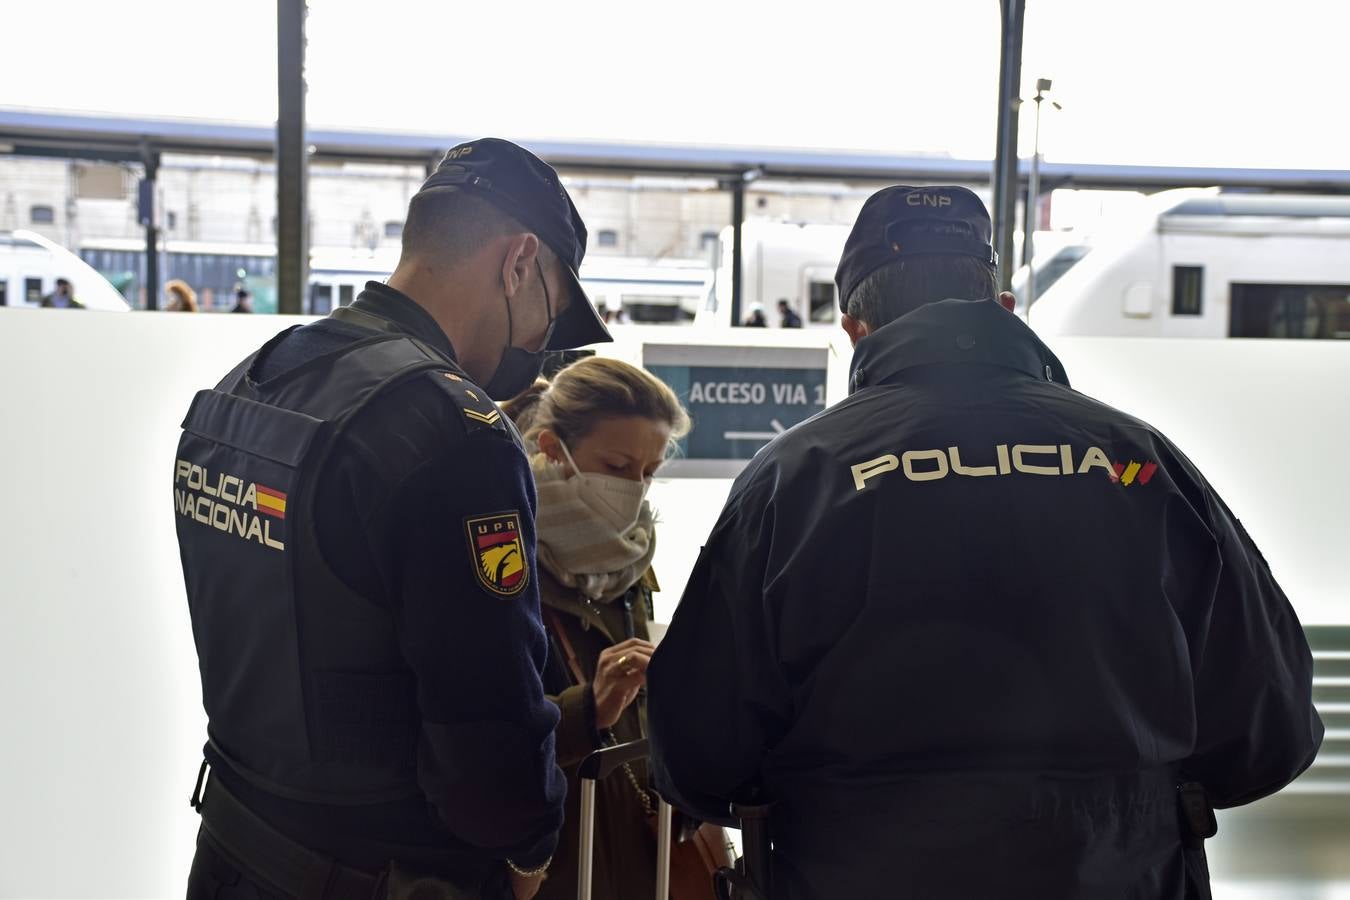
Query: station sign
x=739 y=399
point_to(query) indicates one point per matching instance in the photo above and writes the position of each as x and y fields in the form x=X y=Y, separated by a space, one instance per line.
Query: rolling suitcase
x=748 y=880
x=594 y=767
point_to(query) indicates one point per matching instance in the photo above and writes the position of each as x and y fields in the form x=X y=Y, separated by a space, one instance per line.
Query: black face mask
x=518 y=367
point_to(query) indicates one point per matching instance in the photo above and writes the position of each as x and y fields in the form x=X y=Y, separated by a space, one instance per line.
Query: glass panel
x=1300 y=311
x=822 y=301
x=1187 y=290
x=321 y=299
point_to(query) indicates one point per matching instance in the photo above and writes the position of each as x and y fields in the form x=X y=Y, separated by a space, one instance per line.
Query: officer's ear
x=518 y=261
x=1007 y=301
x=857 y=329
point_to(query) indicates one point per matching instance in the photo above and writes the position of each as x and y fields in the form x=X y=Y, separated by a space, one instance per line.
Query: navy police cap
x=898 y=221
x=526 y=188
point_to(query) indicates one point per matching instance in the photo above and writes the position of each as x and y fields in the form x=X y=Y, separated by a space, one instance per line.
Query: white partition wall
x=98 y=682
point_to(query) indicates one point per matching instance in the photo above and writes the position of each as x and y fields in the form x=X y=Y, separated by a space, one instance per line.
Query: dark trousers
x=215 y=877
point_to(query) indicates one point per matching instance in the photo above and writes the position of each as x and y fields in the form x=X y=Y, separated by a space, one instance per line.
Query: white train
x=30 y=265
x=1195 y=263
x=647 y=291
x=1203 y=264
x=779 y=261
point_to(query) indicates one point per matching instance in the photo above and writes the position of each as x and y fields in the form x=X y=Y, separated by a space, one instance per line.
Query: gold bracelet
x=529 y=873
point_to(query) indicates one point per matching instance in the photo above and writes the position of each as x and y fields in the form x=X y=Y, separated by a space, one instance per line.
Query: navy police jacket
x=969 y=629
x=355 y=519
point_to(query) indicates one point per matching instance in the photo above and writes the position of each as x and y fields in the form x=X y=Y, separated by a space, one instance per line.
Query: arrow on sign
x=776 y=425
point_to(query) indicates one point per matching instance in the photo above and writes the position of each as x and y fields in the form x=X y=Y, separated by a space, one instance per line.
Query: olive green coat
x=625 y=847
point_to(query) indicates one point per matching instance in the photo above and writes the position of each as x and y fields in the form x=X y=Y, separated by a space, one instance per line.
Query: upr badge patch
x=498 y=553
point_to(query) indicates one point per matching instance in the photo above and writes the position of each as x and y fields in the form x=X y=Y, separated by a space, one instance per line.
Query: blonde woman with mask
x=599 y=433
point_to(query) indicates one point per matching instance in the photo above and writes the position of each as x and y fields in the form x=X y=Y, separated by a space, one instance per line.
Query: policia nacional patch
x=498 y=553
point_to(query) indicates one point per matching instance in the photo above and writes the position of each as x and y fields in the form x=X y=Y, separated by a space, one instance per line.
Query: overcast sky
x=1186 y=82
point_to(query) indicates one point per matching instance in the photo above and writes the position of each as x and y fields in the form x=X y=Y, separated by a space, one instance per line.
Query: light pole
x=1033 y=204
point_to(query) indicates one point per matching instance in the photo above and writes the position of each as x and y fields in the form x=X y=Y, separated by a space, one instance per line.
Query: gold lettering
x=959 y=469
x=267 y=538
x=237 y=523
x=936 y=456
x=1020 y=451
x=1095 y=457
x=225 y=488
x=872 y=468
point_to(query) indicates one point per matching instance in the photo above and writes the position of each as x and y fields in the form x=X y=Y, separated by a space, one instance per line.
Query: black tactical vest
x=305 y=690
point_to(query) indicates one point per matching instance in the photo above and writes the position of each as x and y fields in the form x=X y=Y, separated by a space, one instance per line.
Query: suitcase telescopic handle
x=598 y=765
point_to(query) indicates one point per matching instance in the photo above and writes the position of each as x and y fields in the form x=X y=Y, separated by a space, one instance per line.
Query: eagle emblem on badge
x=498 y=553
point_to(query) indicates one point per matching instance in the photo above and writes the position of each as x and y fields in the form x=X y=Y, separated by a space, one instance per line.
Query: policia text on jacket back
x=970 y=630
x=356 y=524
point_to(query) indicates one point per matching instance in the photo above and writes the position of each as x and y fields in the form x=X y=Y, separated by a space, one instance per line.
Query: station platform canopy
x=103 y=137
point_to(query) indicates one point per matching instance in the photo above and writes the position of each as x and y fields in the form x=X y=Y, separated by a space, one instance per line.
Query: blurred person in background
x=63 y=297
x=243 y=300
x=182 y=298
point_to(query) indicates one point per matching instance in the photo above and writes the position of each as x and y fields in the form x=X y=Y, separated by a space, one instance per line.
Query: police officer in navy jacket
x=355 y=517
x=973 y=633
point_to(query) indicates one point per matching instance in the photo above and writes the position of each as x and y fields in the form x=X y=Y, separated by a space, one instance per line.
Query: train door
x=1194 y=271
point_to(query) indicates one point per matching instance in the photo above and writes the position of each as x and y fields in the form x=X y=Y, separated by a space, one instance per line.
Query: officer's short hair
x=912 y=281
x=452 y=225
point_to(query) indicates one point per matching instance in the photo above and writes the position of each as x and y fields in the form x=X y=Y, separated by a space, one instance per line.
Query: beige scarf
x=579 y=547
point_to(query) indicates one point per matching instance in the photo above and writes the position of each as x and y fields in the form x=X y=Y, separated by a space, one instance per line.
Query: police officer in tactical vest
x=355 y=517
x=972 y=633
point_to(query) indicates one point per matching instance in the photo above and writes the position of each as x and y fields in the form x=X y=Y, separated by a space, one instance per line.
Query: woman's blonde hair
x=184 y=296
x=591 y=389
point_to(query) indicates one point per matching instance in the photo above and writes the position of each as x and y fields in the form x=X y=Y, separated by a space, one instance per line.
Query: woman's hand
x=526 y=886
x=619 y=674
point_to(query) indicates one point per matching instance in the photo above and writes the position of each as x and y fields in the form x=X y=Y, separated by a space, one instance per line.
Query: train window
x=320 y=299
x=393 y=229
x=32 y=290
x=1187 y=290
x=822 y=301
x=1290 y=311
x=607 y=238
x=345 y=294
x=42 y=215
